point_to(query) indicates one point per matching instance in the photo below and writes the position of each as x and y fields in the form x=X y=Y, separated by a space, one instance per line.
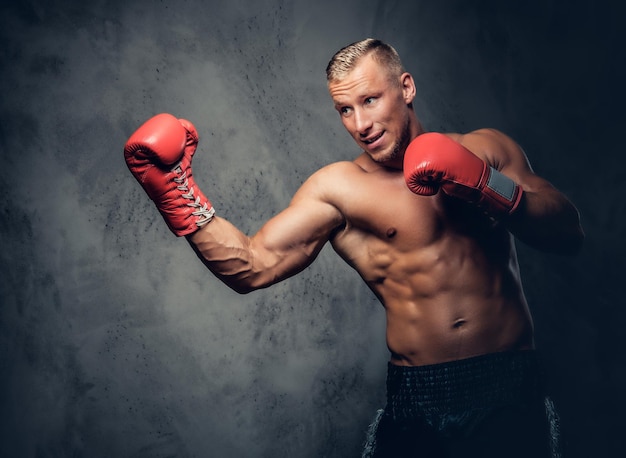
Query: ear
x=408 y=87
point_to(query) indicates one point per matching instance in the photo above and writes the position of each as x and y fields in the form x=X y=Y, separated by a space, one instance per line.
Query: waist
x=444 y=329
x=485 y=381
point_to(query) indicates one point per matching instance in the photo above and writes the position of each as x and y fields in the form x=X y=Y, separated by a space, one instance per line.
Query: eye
x=344 y=111
x=370 y=100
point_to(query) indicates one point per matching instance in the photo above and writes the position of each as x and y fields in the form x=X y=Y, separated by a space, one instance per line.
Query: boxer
x=428 y=220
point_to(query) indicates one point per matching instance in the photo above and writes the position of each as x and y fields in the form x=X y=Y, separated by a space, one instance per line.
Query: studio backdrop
x=115 y=340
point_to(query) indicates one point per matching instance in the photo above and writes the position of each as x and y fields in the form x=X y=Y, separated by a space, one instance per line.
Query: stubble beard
x=397 y=151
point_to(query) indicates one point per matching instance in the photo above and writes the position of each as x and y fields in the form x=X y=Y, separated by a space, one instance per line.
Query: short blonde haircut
x=344 y=60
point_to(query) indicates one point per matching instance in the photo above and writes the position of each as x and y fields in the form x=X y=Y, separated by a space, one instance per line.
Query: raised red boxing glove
x=434 y=161
x=159 y=156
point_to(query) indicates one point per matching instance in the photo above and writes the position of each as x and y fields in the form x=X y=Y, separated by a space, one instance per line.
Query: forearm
x=159 y=155
x=229 y=255
x=489 y=170
x=548 y=221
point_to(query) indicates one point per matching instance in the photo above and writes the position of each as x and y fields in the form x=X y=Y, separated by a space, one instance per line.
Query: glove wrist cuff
x=501 y=195
x=190 y=209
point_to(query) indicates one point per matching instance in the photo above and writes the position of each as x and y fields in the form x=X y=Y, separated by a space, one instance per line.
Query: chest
x=383 y=216
x=384 y=209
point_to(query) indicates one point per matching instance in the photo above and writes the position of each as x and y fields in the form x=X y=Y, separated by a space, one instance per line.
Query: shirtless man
x=428 y=220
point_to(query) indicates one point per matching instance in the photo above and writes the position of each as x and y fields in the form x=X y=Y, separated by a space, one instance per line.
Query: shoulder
x=344 y=171
x=332 y=172
x=329 y=181
x=341 y=183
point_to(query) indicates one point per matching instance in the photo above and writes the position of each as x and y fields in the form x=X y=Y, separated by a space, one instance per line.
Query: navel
x=459 y=323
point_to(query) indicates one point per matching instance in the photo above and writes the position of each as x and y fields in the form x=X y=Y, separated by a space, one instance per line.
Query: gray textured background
x=115 y=341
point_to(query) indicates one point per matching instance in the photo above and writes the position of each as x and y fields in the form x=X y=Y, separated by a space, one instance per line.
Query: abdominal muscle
x=448 y=328
x=445 y=296
x=451 y=307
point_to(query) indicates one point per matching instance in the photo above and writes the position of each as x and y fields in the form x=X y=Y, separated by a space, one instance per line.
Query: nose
x=362 y=122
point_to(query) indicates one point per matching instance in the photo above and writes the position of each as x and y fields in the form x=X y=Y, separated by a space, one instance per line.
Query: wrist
x=189 y=209
x=500 y=195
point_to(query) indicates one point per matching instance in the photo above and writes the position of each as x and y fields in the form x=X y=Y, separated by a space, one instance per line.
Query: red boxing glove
x=434 y=161
x=159 y=155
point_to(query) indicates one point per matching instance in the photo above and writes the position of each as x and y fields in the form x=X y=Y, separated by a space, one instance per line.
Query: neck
x=415 y=129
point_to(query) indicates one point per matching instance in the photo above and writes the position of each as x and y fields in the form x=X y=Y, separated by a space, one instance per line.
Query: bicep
x=291 y=240
x=284 y=245
x=543 y=201
x=504 y=154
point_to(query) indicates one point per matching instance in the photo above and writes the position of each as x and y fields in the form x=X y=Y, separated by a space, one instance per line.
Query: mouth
x=372 y=140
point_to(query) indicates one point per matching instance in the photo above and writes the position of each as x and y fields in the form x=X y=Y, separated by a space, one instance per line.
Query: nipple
x=391 y=232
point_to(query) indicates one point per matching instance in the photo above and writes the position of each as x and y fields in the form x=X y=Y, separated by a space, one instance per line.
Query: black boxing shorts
x=489 y=406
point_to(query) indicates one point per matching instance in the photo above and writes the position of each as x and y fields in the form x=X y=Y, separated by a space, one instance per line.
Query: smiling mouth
x=369 y=141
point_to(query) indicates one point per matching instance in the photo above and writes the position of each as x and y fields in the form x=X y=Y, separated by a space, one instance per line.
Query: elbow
x=238 y=285
x=241 y=289
x=572 y=241
x=566 y=245
x=577 y=235
x=244 y=284
x=575 y=243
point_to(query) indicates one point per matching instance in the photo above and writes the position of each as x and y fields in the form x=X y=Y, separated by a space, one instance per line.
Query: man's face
x=375 y=110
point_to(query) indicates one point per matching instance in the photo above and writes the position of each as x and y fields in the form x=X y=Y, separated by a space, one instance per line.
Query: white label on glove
x=501 y=184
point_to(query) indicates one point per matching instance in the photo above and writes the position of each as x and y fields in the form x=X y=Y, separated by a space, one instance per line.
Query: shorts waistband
x=479 y=382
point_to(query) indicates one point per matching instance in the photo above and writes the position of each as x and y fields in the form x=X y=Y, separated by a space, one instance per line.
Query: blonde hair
x=344 y=60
